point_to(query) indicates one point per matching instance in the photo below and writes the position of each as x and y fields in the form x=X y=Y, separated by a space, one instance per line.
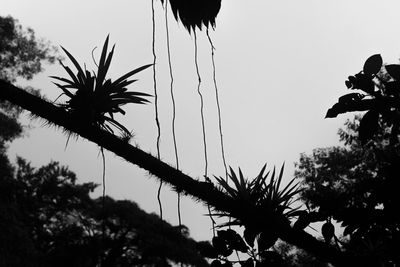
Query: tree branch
x=181 y=182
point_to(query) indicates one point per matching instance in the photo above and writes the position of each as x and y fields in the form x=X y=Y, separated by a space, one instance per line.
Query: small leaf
x=394 y=71
x=368 y=126
x=333 y=111
x=350 y=229
x=350 y=97
x=302 y=222
x=249 y=235
x=348 y=84
x=220 y=246
x=364 y=82
x=234 y=240
x=266 y=240
x=328 y=231
x=373 y=65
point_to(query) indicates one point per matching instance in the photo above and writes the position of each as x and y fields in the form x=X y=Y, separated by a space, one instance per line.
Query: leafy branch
x=203 y=191
x=378 y=93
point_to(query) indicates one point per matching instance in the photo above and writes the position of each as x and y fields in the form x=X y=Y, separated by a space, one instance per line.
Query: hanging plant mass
x=194 y=13
x=93 y=99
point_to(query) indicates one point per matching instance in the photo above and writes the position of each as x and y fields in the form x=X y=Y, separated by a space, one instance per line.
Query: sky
x=279 y=66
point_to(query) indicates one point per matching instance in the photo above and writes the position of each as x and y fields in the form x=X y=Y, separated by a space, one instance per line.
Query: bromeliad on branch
x=93 y=99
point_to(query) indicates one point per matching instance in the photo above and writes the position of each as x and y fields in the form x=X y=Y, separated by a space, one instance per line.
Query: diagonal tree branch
x=181 y=182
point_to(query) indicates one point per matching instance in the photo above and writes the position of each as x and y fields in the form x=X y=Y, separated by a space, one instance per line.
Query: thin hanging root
x=171 y=88
x=202 y=122
x=156 y=101
x=201 y=104
x=218 y=105
x=173 y=112
x=103 y=226
x=104 y=172
x=179 y=212
x=159 y=199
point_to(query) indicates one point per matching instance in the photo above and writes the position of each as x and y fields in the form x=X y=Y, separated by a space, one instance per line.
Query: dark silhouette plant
x=96 y=98
x=264 y=195
x=379 y=95
x=195 y=13
x=257 y=194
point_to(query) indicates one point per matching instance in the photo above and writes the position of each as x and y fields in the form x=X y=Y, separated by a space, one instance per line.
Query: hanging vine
x=202 y=121
x=103 y=227
x=218 y=104
x=156 y=101
x=173 y=107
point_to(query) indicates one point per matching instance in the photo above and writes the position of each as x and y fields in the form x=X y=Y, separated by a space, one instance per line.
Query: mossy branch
x=181 y=182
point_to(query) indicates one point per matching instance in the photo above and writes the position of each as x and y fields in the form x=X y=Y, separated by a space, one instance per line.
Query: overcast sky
x=280 y=66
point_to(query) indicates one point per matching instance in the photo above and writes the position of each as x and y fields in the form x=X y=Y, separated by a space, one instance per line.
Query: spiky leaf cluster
x=93 y=98
x=259 y=193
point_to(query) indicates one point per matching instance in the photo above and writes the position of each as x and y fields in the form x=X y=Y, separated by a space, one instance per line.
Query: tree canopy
x=21 y=52
x=51 y=220
x=355 y=185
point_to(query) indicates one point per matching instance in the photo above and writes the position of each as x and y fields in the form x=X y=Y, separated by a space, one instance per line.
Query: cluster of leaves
x=356 y=186
x=195 y=13
x=227 y=241
x=379 y=95
x=366 y=173
x=262 y=195
x=96 y=99
x=275 y=211
x=21 y=52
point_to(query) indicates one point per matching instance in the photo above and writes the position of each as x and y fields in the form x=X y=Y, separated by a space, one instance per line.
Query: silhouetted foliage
x=365 y=176
x=62 y=226
x=203 y=191
x=195 y=13
x=356 y=186
x=273 y=203
x=96 y=99
x=295 y=257
x=379 y=95
x=21 y=53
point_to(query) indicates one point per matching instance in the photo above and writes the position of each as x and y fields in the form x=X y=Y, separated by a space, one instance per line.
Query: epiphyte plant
x=93 y=98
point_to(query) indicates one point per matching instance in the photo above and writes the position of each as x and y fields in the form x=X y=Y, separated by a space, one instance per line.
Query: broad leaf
x=373 y=65
x=368 y=126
